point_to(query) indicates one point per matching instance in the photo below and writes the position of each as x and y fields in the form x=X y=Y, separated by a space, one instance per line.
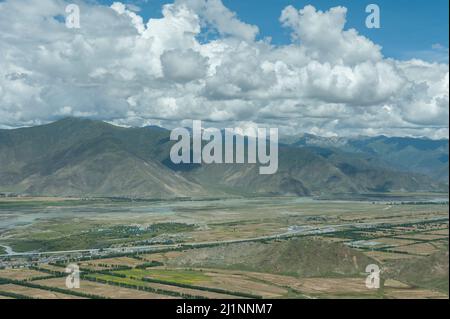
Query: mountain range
x=81 y=157
x=415 y=155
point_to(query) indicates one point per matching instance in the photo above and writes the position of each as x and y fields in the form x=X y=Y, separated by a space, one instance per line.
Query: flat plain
x=280 y=247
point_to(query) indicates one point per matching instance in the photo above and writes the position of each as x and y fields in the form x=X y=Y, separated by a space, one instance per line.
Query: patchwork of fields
x=254 y=248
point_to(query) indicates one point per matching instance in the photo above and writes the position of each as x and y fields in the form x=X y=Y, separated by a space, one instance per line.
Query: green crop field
x=189 y=277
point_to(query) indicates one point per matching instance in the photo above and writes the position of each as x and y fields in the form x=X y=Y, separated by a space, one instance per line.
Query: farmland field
x=281 y=247
x=34 y=293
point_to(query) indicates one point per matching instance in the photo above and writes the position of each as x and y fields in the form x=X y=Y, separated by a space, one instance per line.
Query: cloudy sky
x=300 y=67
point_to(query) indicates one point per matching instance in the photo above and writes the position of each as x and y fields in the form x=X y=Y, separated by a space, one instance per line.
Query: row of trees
x=141 y=288
x=210 y=289
x=49 y=288
x=14 y=295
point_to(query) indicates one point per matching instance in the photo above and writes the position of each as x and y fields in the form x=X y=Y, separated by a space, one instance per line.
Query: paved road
x=304 y=231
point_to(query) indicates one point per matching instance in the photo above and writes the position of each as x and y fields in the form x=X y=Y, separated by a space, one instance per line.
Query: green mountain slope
x=87 y=158
x=302 y=171
x=80 y=157
x=416 y=155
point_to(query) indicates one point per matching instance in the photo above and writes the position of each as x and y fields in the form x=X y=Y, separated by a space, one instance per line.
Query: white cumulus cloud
x=329 y=80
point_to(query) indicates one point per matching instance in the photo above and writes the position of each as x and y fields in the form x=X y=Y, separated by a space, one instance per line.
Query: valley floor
x=281 y=247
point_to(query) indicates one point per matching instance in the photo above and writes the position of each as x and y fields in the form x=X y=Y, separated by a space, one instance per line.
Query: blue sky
x=327 y=81
x=409 y=29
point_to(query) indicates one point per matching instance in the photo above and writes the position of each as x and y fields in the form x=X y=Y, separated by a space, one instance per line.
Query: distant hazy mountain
x=90 y=158
x=417 y=155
